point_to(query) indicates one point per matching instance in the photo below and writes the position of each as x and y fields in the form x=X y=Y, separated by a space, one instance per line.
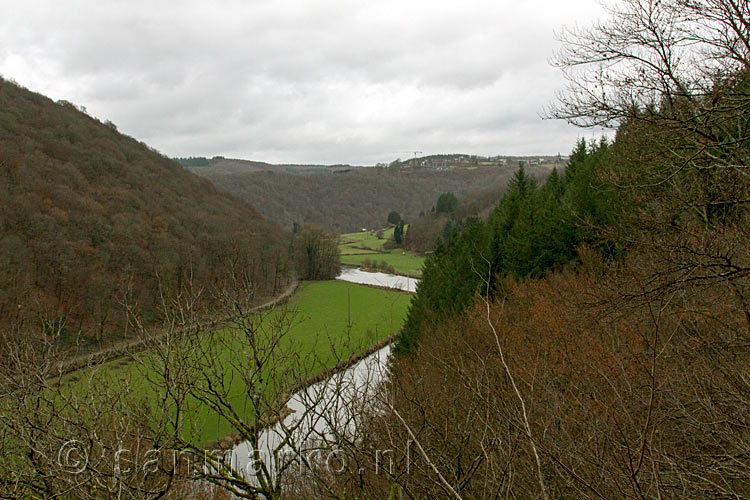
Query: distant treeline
x=192 y=161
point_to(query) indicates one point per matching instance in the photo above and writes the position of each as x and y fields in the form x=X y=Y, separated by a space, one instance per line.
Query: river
x=395 y=281
x=328 y=408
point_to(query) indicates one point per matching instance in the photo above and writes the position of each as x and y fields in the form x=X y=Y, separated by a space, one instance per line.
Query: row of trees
x=532 y=230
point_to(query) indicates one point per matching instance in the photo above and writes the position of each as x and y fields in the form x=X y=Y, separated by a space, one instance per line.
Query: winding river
x=394 y=281
x=325 y=409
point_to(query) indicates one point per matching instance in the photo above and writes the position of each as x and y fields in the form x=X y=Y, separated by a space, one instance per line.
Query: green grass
x=318 y=313
x=407 y=264
x=356 y=247
x=366 y=239
x=347 y=250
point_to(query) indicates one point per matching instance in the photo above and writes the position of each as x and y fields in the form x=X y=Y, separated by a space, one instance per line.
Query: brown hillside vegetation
x=624 y=398
x=425 y=230
x=91 y=219
x=348 y=200
x=623 y=370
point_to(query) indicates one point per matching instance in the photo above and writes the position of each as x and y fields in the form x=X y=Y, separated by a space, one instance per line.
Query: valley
x=321 y=325
x=450 y=325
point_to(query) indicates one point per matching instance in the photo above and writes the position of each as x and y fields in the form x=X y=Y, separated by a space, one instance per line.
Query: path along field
x=318 y=314
x=357 y=248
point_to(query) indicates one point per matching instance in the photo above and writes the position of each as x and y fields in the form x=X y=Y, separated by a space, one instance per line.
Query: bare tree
x=652 y=55
x=71 y=436
x=250 y=382
x=672 y=76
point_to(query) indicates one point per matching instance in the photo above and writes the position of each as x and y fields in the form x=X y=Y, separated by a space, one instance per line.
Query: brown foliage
x=626 y=398
x=347 y=201
x=424 y=232
x=316 y=254
x=91 y=219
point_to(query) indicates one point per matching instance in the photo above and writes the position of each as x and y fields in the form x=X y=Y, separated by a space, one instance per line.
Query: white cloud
x=302 y=81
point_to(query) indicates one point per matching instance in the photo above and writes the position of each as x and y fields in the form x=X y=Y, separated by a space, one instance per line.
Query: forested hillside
x=429 y=227
x=91 y=220
x=349 y=199
x=533 y=230
x=591 y=338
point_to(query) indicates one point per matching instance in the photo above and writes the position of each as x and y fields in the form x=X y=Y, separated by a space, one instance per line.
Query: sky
x=304 y=81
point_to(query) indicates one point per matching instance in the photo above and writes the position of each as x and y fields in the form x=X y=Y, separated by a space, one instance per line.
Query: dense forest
x=426 y=229
x=344 y=200
x=92 y=221
x=532 y=230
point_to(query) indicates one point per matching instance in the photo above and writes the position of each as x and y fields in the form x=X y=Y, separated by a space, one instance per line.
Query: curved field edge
x=317 y=318
x=358 y=248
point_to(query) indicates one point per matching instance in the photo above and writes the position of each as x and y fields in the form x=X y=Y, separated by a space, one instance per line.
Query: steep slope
x=91 y=219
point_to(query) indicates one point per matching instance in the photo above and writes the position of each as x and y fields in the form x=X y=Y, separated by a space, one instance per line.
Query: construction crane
x=415 y=153
x=415 y=157
x=414 y=160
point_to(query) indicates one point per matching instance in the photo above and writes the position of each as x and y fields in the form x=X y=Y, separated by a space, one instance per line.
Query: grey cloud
x=299 y=81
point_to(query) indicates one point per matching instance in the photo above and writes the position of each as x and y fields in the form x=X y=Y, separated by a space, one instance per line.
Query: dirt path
x=128 y=347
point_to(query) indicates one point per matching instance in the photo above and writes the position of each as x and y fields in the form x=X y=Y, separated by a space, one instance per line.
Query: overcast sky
x=313 y=81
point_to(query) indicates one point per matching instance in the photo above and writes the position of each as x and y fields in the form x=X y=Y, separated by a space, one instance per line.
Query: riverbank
x=327 y=322
x=283 y=410
x=379 y=279
x=332 y=321
x=371 y=250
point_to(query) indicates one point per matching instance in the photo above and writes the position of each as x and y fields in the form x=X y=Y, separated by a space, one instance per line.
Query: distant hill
x=91 y=219
x=224 y=166
x=343 y=198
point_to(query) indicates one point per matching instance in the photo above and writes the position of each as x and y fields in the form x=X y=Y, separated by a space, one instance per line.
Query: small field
x=317 y=316
x=357 y=248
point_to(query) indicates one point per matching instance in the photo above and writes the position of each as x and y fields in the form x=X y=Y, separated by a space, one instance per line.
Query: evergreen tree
x=394 y=217
x=446 y=203
x=398 y=233
x=531 y=230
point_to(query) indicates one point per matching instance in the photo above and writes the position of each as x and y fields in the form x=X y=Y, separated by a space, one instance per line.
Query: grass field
x=318 y=317
x=356 y=247
x=367 y=240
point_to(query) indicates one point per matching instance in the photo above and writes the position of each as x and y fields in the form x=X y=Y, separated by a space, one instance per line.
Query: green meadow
x=318 y=320
x=356 y=248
